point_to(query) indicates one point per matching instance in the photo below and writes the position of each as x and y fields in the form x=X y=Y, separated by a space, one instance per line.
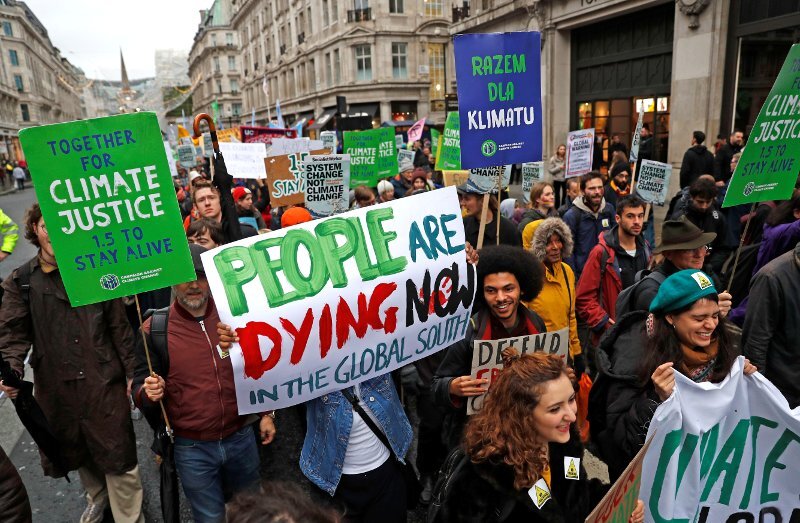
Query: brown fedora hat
x=682 y=234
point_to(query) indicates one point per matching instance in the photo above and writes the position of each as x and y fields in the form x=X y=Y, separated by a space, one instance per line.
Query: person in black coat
x=722 y=160
x=522 y=453
x=697 y=160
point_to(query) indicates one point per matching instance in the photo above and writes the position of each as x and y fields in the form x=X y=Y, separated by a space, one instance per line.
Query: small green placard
x=373 y=155
x=770 y=162
x=109 y=204
x=435 y=142
x=449 y=155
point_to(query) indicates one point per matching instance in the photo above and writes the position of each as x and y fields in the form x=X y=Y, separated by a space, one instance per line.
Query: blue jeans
x=211 y=469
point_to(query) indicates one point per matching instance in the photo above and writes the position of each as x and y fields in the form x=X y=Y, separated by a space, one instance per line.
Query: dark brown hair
x=198 y=227
x=278 y=502
x=503 y=431
x=537 y=190
x=32 y=217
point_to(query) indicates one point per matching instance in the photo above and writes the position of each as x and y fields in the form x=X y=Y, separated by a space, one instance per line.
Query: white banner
x=726 y=452
x=580 y=152
x=532 y=173
x=324 y=305
x=652 y=181
x=280 y=146
x=244 y=160
x=487 y=356
x=327 y=184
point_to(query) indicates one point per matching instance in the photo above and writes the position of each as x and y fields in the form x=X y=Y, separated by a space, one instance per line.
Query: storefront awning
x=363 y=110
x=398 y=123
x=323 y=120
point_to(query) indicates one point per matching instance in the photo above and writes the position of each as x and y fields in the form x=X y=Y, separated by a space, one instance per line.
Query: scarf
x=696 y=365
x=620 y=192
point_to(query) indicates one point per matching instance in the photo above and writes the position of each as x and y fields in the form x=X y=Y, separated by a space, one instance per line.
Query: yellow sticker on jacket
x=571 y=467
x=539 y=493
x=605 y=222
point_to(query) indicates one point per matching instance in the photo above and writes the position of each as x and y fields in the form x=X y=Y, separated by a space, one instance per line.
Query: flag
x=253 y=117
x=215 y=113
x=415 y=132
x=299 y=128
x=278 y=114
x=265 y=87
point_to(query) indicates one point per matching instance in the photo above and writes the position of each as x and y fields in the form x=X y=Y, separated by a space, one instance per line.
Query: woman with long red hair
x=521 y=453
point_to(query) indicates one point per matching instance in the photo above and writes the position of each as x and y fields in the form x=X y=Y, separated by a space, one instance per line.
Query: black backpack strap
x=352 y=398
x=158 y=335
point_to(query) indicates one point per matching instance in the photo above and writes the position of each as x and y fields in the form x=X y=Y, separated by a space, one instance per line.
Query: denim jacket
x=330 y=418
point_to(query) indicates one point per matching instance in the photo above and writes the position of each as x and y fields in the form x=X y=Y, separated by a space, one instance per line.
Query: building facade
x=215 y=65
x=387 y=58
x=689 y=64
x=37 y=85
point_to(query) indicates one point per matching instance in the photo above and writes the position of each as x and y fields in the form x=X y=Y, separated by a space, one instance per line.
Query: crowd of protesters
x=575 y=257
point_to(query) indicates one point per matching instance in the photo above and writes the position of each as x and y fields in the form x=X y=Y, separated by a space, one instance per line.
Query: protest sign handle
x=150 y=367
x=497 y=218
x=741 y=243
x=482 y=226
x=633 y=179
x=211 y=127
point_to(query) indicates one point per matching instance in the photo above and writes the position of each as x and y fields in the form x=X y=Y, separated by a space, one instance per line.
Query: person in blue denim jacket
x=344 y=458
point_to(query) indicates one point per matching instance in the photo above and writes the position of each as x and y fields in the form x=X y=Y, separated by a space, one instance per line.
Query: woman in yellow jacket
x=552 y=243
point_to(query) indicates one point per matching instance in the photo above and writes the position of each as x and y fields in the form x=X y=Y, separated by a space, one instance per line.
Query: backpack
x=158 y=340
x=453 y=466
x=626 y=297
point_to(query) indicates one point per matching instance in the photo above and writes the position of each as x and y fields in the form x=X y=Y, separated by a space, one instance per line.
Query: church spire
x=126 y=85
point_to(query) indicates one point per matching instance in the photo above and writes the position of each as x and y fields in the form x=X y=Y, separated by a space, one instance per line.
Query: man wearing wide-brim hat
x=684 y=246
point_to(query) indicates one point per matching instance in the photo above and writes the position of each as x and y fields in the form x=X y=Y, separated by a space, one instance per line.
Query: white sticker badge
x=539 y=493
x=572 y=467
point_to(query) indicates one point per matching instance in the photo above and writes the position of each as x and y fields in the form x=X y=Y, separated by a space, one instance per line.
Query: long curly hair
x=503 y=431
x=514 y=260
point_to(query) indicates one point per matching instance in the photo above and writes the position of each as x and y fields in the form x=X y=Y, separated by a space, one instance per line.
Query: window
x=213 y=40
x=363 y=55
x=234 y=87
x=337 y=68
x=231 y=63
x=312 y=75
x=396 y=6
x=334 y=11
x=237 y=109
x=229 y=38
x=433 y=8
x=8 y=29
x=26 y=115
x=360 y=4
x=436 y=71
x=216 y=64
x=219 y=86
x=328 y=70
x=18 y=82
x=14 y=57
x=326 y=17
x=399 y=69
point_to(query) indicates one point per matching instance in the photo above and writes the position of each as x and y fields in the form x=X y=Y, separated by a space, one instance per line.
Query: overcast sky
x=90 y=33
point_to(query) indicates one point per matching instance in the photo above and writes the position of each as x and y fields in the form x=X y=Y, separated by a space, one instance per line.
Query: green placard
x=109 y=204
x=769 y=164
x=435 y=142
x=373 y=155
x=449 y=157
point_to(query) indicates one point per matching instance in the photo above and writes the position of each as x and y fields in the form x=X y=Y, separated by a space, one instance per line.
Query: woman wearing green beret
x=684 y=333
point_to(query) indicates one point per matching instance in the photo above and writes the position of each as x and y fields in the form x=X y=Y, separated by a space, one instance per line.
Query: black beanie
x=620 y=167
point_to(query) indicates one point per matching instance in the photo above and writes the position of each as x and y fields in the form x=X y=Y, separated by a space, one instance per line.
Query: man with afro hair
x=507 y=276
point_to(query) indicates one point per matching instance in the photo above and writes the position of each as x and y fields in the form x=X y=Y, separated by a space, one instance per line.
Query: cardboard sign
x=327 y=184
x=652 y=183
x=186 y=155
x=455 y=178
x=173 y=168
x=620 y=501
x=373 y=155
x=487 y=356
x=109 y=205
x=415 y=131
x=532 y=173
x=244 y=160
x=580 y=151
x=229 y=135
x=449 y=157
x=327 y=304
x=285 y=180
x=725 y=451
x=499 y=97
x=637 y=138
x=769 y=164
x=329 y=141
x=485 y=180
x=405 y=159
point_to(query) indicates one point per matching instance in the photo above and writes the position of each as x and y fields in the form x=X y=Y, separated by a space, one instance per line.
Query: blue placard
x=499 y=98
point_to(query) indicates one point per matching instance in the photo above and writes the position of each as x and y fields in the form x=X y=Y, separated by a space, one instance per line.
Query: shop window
x=404 y=111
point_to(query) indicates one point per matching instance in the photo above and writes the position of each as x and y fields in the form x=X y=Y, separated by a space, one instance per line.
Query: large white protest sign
x=484 y=179
x=652 y=182
x=327 y=184
x=726 y=452
x=330 y=303
x=487 y=356
x=186 y=155
x=281 y=146
x=244 y=160
x=580 y=151
x=532 y=172
x=405 y=159
x=173 y=169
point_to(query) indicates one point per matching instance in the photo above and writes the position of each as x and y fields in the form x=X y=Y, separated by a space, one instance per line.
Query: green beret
x=681 y=289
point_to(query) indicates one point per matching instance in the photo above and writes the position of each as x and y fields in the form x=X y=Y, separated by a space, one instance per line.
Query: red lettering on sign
x=254 y=365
